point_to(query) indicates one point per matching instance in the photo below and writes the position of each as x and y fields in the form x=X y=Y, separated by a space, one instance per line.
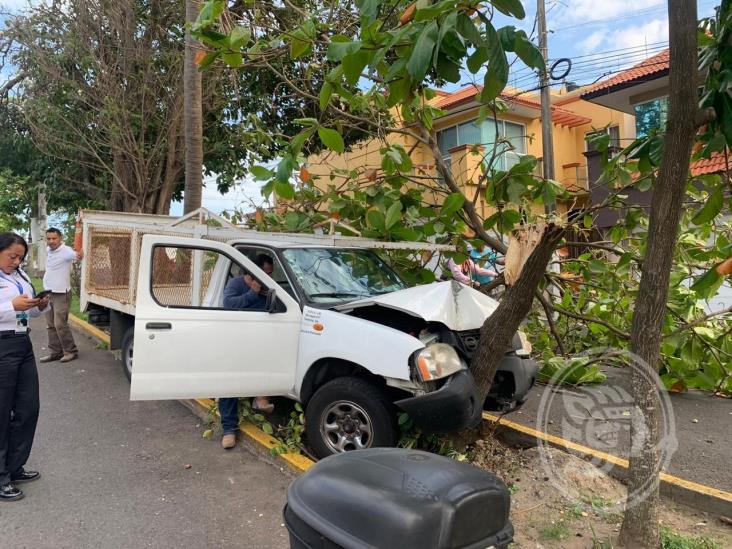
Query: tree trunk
x=499 y=328
x=640 y=525
x=193 y=116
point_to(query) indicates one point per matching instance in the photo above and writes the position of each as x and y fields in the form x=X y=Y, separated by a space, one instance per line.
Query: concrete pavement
x=115 y=472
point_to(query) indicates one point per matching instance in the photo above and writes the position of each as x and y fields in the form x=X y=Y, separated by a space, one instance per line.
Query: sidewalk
x=116 y=473
x=703 y=429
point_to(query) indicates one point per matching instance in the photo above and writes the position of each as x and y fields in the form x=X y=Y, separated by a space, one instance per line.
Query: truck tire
x=127 y=347
x=349 y=413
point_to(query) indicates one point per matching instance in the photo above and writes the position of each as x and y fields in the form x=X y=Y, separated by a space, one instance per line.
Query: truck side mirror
x=273 y=304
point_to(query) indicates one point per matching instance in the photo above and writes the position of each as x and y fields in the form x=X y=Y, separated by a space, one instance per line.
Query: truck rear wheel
x=127 y=348
x=347 y=414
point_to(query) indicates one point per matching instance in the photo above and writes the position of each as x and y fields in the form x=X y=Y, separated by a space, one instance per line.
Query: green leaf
x=393 y=214
x=261 y=173
x=292 y=220
x=298 y=45
x=234 y=60
x=527 y=164
x=711 y=209
x=239 y=37
x=452 y=204
x=421 y=58
x=369 y=9
x=497 y=75
x=407 y=233
x=432 y=11
x=354 y=64
x=477 y=59
x=209 y=58
x=510 y=7
x=656 y=150
x=326 y=92
x=375 y=218
x=331 y=139
x=468 y=30
x=707 y=284
x=448 y=70
x=528 y=52
x=340 y=46
x=284 y=189
x=597 y=267
x=398 y=90
x=515 y=190
x=267 y=428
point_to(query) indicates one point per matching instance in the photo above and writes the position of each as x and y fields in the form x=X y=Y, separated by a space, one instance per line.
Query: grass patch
x=556 y=531
x=74 y=309
x=672 y=540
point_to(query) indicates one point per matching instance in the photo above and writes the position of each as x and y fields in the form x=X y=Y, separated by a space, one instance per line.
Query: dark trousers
x=229 y=411
x=19 y=403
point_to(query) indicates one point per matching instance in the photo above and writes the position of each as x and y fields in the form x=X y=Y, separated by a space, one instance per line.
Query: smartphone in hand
x=41 y=295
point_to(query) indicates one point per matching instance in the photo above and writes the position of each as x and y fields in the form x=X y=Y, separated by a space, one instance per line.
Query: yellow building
x=519 y=130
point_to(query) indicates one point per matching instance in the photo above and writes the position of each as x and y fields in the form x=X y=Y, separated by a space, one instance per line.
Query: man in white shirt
x=60 y=259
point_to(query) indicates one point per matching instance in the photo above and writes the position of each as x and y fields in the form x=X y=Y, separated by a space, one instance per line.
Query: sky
x=601 y=37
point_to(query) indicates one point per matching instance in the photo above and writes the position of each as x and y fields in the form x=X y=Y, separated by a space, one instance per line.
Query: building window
x=651 y=116
x=612 y=131
x=511 y=147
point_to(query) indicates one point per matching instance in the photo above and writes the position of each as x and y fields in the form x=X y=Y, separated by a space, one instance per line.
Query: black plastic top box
x=388 y=498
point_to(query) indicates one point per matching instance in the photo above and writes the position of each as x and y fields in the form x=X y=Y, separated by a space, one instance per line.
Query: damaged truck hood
x=455 y=305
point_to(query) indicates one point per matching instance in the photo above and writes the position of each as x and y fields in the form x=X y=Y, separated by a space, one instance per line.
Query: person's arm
x=457 y=274
x=237 y=295
x=7 y=311
x=482 y=271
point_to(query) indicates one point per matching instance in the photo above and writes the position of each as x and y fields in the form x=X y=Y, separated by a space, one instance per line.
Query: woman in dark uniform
x=19 y=399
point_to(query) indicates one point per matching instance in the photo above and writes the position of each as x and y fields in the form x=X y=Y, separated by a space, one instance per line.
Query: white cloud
x=649 y=33
x=590 y=44
x=593 y=10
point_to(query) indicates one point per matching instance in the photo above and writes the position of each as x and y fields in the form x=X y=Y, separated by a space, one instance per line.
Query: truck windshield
x=341 y=274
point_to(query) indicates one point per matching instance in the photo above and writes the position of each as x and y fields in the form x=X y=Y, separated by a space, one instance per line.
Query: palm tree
x=193 y=117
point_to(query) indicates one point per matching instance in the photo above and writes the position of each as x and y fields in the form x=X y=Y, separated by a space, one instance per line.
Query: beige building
x=519 y=130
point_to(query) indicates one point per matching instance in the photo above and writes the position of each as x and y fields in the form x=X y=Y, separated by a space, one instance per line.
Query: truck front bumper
x=453 y=406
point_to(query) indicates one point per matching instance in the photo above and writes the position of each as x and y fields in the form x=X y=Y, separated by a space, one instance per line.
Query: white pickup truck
x=338 y=330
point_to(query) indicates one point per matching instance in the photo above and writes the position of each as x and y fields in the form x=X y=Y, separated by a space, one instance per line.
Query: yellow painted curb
x=579 y=448
x=89 y=329
x=297 y=461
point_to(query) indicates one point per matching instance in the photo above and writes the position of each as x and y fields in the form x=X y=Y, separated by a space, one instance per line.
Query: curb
x=200 y=407
x=691 y=493
x=89 y=329
x=684 y=491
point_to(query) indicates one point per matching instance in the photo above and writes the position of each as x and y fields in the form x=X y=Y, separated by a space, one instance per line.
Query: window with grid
x=511 y=140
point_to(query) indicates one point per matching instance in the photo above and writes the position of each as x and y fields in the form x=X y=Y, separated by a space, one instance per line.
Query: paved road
x=704 y=445
x=114 y=471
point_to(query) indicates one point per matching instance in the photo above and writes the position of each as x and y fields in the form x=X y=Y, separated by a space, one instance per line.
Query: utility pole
x=546 y=101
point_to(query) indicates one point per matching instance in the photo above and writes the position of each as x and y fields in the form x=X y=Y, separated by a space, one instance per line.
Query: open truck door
x=188 y=345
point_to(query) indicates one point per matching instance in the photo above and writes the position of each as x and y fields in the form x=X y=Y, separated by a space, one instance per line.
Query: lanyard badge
x=21 y=317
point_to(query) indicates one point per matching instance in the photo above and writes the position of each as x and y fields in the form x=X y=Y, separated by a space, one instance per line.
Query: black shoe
x=25 y=476
x=8 y=492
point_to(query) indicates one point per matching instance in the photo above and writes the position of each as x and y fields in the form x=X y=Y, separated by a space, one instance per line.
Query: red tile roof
x=467 y=94
x=648 y=69
x=705 y=166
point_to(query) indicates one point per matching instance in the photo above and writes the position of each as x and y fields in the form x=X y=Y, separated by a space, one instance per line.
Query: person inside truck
x=244 y=292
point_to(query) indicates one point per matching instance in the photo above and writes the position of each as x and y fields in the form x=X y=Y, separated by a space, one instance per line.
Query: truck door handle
x=158 y=326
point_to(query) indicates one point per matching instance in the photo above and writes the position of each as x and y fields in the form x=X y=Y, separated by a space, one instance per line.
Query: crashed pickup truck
x=339 y=332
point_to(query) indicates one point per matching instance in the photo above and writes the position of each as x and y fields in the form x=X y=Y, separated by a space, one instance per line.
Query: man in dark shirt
x=243 y=292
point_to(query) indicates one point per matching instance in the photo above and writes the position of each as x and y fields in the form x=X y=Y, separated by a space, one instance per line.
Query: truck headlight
x=437 y=361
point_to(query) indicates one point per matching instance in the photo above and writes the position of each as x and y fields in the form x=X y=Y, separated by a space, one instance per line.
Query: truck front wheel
x=349 y=413
x=127 y=346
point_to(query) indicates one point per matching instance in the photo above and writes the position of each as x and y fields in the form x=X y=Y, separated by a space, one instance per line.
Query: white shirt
x=9 y=290
x=58 y=269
